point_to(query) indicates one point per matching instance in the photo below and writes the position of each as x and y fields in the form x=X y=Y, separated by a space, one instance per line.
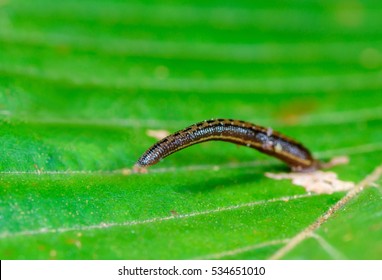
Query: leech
x=265 y=140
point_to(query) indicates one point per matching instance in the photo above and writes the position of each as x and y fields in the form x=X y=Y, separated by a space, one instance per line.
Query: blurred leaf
x=81 y=83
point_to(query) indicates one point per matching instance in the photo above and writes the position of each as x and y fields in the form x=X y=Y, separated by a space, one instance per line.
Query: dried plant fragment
x=157 y=134
x=317 y=181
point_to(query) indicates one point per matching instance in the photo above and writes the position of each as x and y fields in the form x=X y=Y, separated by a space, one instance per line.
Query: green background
x=81 y=82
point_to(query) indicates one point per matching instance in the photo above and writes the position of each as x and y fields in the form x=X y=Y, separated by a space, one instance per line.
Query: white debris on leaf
x=139 y=169
x=157 y=134
x=126 y=171
x=340 y=160
x=317 y=181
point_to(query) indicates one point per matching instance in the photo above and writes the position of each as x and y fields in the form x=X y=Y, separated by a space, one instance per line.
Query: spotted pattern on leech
x=239 y=132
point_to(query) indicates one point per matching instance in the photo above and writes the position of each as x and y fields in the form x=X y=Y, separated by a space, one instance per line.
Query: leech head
x=265 y=140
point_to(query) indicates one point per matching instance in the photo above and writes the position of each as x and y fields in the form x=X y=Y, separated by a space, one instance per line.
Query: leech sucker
x=263 y=139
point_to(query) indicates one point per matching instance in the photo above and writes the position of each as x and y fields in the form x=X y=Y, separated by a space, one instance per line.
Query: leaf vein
x=103 y=226
x=307 y=232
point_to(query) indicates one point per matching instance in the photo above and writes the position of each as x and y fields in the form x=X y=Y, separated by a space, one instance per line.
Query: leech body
x=243 y=133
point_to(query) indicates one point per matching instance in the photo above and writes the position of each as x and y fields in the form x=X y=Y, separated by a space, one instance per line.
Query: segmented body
x=239 y=132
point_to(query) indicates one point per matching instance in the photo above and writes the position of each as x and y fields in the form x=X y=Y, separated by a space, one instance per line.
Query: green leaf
x=82 y=82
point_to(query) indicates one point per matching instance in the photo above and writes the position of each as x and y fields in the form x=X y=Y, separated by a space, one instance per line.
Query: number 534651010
x=238 y=270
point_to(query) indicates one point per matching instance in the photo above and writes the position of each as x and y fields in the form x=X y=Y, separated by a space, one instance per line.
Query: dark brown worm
x=243 y=133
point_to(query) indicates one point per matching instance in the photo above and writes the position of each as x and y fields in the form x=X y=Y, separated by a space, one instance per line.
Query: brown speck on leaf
x=294 y=112
x=63 y=49
x=174 y=213
x=41 y=247
x=75 y=242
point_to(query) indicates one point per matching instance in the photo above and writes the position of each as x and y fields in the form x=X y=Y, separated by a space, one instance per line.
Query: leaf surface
x=81 y=83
